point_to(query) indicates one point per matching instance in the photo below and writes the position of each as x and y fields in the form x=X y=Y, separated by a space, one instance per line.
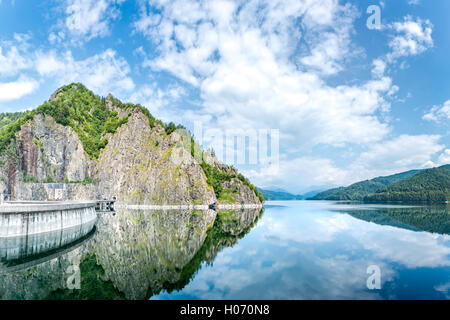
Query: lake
x=288 y=250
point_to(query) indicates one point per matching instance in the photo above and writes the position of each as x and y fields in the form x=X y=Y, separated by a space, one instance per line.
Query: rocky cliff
x=138 y=166
x=96 y=148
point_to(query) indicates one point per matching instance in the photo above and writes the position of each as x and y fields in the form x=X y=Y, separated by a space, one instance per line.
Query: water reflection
x=24 y=252
x=307 y=250
x=435 y=219
x=297 y=250
x=133 y=254
x=34 y=265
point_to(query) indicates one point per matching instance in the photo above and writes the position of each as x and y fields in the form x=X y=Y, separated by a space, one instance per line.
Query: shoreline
x=186 y=207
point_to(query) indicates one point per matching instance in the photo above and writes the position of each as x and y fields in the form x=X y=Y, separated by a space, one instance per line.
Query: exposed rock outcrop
x=145 y=166
x=140 y=162
x=235 y=191
x=49 y=151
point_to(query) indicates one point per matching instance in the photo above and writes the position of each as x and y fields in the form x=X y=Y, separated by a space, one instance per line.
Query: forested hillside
x=431 y=185
x=79 y=108
x=9 y=117
x=279 y=195
x=360 y=190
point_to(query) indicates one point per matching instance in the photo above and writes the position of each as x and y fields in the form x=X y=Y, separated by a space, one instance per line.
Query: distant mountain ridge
x=358 y=191
x=430 y=185
x=280 y=195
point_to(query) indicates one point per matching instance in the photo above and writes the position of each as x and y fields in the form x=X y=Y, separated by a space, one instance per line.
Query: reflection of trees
x=434 y=219
x=137 y=254
x=93 y=284
x=221 y=235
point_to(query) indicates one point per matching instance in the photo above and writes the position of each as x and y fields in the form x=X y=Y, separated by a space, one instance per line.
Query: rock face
x=47 y=152
x=145 y=166
x=44 y=191
x=240 y=193
x=141 y=164
x=52 y=152
x=234 y=191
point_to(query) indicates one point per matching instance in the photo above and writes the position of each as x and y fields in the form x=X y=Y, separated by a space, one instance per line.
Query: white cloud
x=56 y=37
x=399 y=154
x=444 y=288
x=103 y=73
x=438 y=113
x=256 y=64
x=265 y=64
x=299 y=174
x=14 y=62
x=157 y=100
x=17 y=89
x=89 y=18
x=444 y=158
x=402 y=153
x=50 y=63
x=413 y=2
x=330 y=39
x=256 y=67
x=379 y=67
x=413 y=37
x=13 y=56
x=410 y=37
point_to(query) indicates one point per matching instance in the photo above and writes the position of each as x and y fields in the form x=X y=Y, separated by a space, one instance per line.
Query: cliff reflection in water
x=133 y=254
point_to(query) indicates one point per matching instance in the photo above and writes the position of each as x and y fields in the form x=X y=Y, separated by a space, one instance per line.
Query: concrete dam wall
x=17 y=253
x=28 y=218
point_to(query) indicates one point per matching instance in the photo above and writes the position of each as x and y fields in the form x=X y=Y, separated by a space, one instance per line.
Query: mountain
x=8 y=117
x=360 y=190
x=99 y=147
x=312 y=193
x=279 y=195
x=325 y=195
x=431 y=185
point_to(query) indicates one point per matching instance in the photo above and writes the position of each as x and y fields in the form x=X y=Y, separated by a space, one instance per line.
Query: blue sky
x=349 y=102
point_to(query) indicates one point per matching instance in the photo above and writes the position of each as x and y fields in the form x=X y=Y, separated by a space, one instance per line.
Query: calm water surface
x=290 y=250
x=321 y=250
